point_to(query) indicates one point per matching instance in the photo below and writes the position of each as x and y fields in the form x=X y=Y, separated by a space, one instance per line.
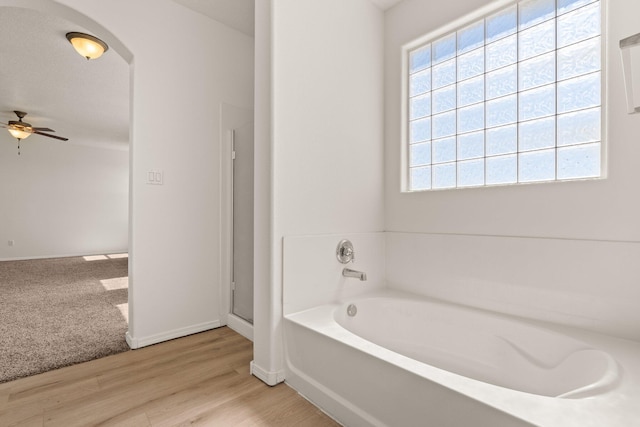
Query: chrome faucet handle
x=348 y=252
x=345 y=252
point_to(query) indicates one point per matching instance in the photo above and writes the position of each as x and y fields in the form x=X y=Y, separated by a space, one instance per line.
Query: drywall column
x=326 y=137
x=267 y=362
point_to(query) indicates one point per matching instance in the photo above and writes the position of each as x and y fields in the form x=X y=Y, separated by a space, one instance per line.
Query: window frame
x=463 y=22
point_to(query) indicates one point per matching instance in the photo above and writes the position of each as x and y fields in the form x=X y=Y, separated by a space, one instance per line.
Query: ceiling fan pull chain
x=18 y=147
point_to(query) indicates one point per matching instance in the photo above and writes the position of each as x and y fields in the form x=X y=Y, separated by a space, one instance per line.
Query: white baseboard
x=267 y=377
x=25 y=258
x=240 y=325
x=130 y=341
x=169 y=335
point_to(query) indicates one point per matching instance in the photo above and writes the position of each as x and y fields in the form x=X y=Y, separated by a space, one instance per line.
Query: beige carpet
x=61 y=311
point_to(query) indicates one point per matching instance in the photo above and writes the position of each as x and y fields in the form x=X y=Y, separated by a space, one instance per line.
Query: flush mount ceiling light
x=86 y=45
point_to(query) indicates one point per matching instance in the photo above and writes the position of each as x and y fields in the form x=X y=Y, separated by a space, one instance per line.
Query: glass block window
x=512 y=98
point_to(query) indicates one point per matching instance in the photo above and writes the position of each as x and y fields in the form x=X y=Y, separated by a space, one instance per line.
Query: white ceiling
x=237 y=14
x=41 y=74
x=85 y=101
x=385 y=4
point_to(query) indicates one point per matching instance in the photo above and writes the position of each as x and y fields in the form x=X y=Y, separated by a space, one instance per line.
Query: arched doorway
x=49 y=110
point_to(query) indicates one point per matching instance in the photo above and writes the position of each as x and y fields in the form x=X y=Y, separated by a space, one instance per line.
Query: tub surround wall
x=312 y=275
x=587 y=284
x=590 y=285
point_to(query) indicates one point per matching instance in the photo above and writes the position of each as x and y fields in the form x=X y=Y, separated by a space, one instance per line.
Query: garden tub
x=395 y=359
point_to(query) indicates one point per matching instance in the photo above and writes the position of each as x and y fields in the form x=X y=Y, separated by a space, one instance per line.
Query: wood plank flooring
x=202 y=380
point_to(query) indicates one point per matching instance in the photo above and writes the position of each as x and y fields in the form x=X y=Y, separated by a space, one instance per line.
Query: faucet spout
x=347 y=272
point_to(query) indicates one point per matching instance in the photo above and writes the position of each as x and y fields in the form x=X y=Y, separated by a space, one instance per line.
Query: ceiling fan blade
x=43 y=130
x=51 y=136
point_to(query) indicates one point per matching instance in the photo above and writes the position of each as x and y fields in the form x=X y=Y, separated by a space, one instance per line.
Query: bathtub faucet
x=347 y=272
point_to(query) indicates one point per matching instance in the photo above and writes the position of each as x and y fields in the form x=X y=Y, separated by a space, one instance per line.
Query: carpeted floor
x=61 y=311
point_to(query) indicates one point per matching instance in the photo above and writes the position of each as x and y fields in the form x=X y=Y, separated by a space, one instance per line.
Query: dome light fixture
x=19 y=132
x=86 y=45
x=19 y=129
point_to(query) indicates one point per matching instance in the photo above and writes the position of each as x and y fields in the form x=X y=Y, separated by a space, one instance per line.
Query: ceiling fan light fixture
x=86 y=45
x=19 y=131
x=19 y=134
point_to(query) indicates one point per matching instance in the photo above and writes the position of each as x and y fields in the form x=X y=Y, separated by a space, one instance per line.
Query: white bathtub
x=404 y=360
x=483 y=346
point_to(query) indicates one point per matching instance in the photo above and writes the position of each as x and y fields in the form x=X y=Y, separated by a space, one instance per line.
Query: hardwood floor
x=202 y=380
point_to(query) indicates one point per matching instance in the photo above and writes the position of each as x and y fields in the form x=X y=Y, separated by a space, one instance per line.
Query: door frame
x=231 y=117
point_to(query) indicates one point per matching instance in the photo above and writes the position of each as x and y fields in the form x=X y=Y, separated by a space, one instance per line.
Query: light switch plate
x=155 y=177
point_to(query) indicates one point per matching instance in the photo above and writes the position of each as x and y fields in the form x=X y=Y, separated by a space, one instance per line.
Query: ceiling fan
x=21 y=130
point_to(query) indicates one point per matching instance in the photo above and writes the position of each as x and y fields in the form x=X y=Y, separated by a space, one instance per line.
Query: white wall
x=562 y=252
x=326 y=141
x=60 y=199
x=184 y=65
x=602 y=209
